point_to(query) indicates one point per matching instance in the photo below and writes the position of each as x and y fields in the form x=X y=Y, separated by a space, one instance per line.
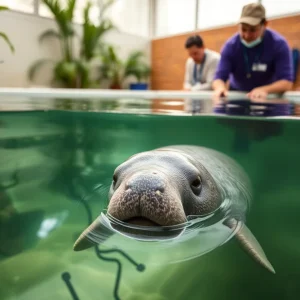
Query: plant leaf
x=61 y=17
x=5 y=37
x=83 y=74
x=4 y=8
x=38 y=64
x=65 y=26
x=66 y=72
x=92 y=34
x=49 y=33
x=136 y=67
x=70 y=9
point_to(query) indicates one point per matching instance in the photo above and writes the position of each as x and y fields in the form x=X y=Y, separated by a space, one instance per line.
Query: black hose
x=66 y=277
x=140 y=267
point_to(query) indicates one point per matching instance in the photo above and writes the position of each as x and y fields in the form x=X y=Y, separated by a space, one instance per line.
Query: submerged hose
x=140 y=267
x=66 y=277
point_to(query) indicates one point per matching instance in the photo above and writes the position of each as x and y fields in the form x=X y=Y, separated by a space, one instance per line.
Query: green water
x=60 y=156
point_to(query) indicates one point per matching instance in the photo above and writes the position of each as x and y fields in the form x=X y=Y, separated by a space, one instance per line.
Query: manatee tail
x=250 y=244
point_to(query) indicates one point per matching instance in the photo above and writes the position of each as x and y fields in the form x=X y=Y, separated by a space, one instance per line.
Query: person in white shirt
x=201 y=65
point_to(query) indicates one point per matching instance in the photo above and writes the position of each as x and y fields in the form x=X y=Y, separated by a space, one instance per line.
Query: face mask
x=251 y=44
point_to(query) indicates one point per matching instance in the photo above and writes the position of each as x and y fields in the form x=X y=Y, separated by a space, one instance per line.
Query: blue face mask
x=251 y=44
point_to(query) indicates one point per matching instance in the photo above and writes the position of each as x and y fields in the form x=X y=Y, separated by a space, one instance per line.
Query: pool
x=58 y=145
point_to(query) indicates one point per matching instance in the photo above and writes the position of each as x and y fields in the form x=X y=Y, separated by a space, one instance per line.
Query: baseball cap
x=252 y=14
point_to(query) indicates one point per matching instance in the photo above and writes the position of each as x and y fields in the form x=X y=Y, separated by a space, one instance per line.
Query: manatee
x=162 y=188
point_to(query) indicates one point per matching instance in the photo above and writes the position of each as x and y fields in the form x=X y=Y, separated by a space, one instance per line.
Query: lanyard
x=198 y=78
x=246 y=59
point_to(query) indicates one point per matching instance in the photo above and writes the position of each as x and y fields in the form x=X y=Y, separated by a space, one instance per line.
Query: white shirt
x=209 y=68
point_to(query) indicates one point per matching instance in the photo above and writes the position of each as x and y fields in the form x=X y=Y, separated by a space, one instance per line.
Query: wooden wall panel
x=169 y=55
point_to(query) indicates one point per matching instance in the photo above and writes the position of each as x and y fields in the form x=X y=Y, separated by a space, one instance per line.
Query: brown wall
x=169 y=55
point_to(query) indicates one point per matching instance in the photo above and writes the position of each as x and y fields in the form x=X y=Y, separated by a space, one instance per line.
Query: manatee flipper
x=250 y=244
x=96 y=233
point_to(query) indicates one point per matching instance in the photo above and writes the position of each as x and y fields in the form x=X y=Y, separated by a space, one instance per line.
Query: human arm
x=219 y=86
x=283 y=74
x=187 y=84
x=223 y=70
x=279 y=86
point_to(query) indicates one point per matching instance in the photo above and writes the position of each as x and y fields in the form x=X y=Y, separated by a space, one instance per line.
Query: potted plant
x=136 y=67
x=111 y=67
x=116 y=70
x=73 y=71
x=4 y=36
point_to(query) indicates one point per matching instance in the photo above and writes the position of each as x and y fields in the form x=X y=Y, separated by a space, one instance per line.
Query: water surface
x=56 y=157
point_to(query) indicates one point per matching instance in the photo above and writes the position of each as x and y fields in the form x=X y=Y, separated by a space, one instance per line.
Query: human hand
x=186 y=88
x=258 y=94
x=218 y=94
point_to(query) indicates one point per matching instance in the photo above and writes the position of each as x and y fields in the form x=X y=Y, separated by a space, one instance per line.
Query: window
x=281 y=7
x=78 y=12
x=44 y=11
x=213 y=13
x=131 y=16
x=94 y=11
x=20 y=5
x=174 y=16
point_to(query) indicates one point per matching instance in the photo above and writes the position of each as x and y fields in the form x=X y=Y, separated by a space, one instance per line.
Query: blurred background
x=117 y=44
x=57 y=164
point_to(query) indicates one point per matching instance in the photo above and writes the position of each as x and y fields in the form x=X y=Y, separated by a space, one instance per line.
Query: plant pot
x=115 y=86
x=138 y=86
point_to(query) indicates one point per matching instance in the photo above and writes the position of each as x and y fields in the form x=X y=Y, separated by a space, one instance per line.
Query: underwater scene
x=212 y=215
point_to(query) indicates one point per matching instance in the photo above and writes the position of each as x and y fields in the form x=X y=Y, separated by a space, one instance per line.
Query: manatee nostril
x=160 y=189
x=128 y=186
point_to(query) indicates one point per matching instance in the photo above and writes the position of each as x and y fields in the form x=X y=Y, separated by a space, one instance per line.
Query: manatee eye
x=115 y=178
x=196 y=185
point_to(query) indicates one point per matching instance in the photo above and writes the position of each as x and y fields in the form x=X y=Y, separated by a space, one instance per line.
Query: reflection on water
x=64 y=161
x=246 y=131
x=271 y=107
x=18 y=230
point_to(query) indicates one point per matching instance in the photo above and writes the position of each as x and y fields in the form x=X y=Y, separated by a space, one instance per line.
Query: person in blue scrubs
x=256 y=60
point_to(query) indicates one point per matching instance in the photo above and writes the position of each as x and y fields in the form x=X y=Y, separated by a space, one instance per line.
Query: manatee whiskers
x=154 y=193
x=145 y=196
x=145 y=204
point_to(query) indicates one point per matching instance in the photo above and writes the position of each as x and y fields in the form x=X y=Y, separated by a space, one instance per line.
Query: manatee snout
x=147 y=198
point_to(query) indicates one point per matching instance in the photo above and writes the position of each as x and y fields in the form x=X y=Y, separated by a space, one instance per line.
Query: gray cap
x=252 y=14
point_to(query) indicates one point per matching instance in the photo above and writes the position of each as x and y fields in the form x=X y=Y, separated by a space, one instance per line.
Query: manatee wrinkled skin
x=163 y=187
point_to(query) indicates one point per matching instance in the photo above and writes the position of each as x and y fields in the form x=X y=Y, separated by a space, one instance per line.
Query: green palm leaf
x=61 y=16
x=92 y=34
x=36 y=66
x=5 y=37
x=70 y=9
x=49 y=33
x=135 y=66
